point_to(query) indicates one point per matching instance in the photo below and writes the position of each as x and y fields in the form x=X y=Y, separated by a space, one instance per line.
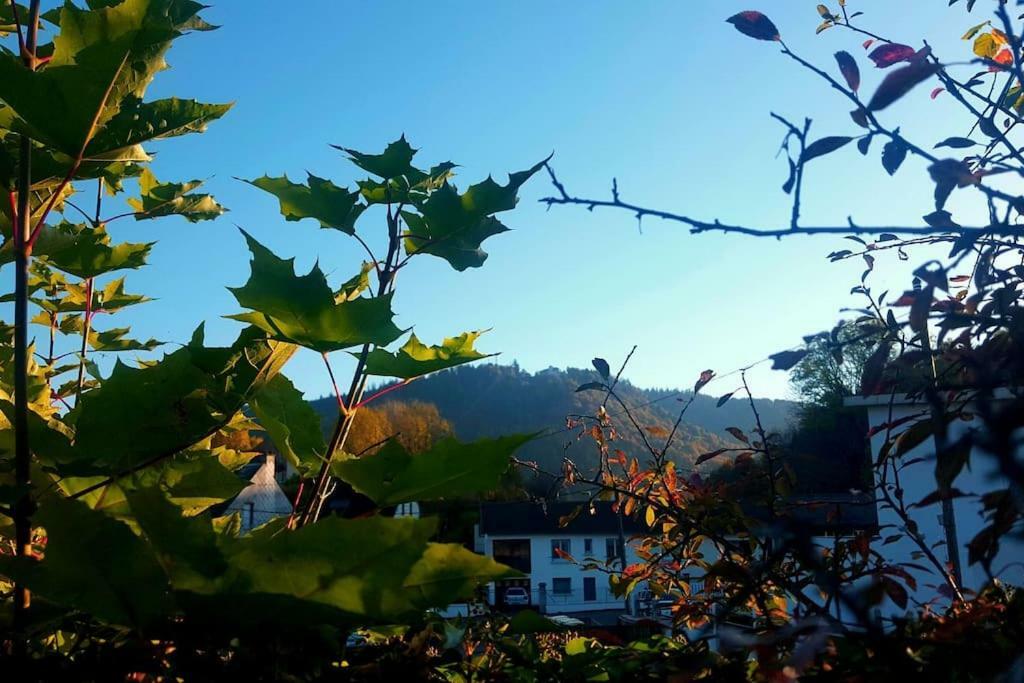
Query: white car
x=516 y=595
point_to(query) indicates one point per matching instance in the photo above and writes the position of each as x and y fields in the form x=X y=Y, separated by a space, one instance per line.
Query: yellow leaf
x=973 y=31
x=650 y=516
x=985 y=46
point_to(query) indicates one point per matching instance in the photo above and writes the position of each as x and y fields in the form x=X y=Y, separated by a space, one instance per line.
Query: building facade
x=917 y=480
x=553 y=558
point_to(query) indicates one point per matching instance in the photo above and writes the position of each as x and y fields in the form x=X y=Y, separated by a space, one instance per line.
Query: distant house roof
x=527 y=518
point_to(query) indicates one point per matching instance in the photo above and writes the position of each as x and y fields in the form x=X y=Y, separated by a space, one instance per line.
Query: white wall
x=544 y=569
x=262 y=500
x=918 y=480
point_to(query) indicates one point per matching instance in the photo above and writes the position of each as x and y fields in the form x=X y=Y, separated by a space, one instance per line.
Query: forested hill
x=491 y=400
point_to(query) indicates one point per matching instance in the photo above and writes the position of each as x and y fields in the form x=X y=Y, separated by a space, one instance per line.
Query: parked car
x=516 y=595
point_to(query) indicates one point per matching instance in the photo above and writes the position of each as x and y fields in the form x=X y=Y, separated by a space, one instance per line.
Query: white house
x=527 y=537
x=262 y=500
x=917 y=479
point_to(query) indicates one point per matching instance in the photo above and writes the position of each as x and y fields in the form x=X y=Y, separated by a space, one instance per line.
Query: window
x=561 y=586
x=612 y=548
x=560 y=545
x=513 y=552
x=588 y=546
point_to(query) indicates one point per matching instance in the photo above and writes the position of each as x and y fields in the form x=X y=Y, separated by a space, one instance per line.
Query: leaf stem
x=24 y=506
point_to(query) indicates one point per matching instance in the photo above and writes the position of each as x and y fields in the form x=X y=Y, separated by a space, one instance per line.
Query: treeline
x=491 y=400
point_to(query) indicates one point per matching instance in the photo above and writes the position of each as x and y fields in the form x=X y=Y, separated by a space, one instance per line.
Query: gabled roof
x=529 y=518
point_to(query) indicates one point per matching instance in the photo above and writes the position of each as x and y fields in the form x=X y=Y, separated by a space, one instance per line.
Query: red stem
x=337 y=392
x=385 y=390
x=12 y=197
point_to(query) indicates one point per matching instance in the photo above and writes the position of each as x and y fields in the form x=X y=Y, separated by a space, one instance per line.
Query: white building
x=262 y=500
x=527 y=537
x=917 y=479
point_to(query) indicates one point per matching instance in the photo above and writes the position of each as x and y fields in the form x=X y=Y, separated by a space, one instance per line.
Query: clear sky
x=665 y=96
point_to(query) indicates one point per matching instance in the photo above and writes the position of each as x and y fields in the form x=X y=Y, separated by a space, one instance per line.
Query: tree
x=952 y=340
x=833 y=366
x=417 y=426
x=104 y=478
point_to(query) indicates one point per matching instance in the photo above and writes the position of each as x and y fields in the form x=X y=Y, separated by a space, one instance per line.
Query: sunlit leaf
x=333 y=206
x=291 y=423
x=141 y=414
x=173 y=199
x=448 y=470
x=394 y=162
x=302 y=309
x=86 y=252
x=415 y=358
x=452 y=226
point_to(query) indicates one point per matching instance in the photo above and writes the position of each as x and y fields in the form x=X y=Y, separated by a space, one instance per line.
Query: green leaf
x=113 y=341
x=95 y=564
x=137 y=122
x=302 y=309
x=357 y=566
x=49 y=438
x=173 y=199
x=453 y=226
x=7 y=18
x=87 y=252
x=415 y=359
x=412 y=188
x=141 y=415
x=335 y=207
x=110 y=299
x=355 y=285
x=396 y=160
x=448 y=470
x=185 y=546
x=291 y=423
x=103 y=59
x=448 y=572
x=194 y=482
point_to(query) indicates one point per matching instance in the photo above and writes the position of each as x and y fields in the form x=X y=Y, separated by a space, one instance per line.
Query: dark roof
x=816 y=515
x=506 y=519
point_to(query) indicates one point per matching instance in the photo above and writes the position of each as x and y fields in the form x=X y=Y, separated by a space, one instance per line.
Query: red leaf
x=755 y=25
x=888 y=54
x=868 y=43
x=937 y=92
x=896 y=592
x=899 y=83
x=848 y=67
x=704 y=378
x=738 y=433
x=707 y=456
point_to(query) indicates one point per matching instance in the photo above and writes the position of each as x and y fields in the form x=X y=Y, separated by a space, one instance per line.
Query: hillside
x=491 y=399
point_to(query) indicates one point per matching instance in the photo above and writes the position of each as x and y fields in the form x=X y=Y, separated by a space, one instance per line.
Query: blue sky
x=665 y=96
